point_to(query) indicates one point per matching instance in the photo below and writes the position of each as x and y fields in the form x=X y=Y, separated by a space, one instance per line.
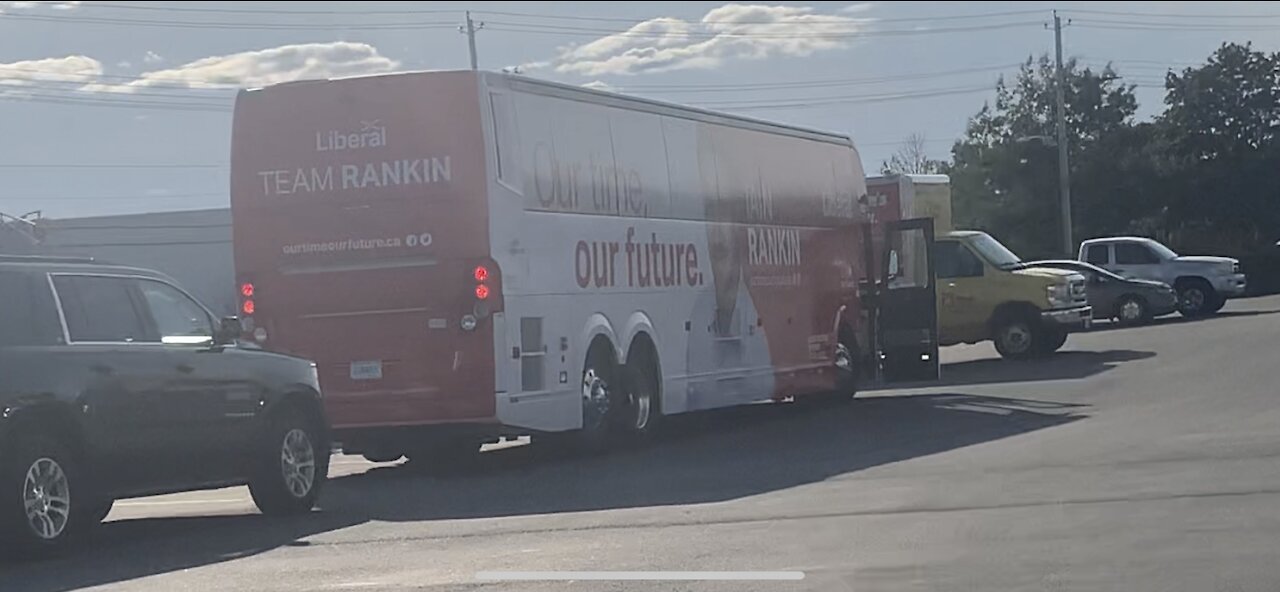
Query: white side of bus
x=571 y=276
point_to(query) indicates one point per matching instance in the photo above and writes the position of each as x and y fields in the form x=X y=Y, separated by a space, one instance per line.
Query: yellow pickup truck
x=985 y=292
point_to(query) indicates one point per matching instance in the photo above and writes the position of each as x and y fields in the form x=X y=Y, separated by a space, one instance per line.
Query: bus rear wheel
x=643 y=403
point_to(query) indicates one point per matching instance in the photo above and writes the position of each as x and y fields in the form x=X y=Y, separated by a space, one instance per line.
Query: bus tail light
x=486 y=292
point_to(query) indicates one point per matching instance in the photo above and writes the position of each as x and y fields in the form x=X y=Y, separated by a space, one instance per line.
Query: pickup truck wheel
x=1016 y=336
x=1196 y=298
x=1132 y=310
x=1218 y=303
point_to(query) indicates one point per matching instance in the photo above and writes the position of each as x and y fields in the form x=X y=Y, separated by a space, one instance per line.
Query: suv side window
x=177 y=317
x=27 y=315
x=953 y=260
x=100 y=309
x=1134 y=254
x=1097 y=255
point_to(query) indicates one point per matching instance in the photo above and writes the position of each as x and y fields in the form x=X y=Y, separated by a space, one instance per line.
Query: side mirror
x=229 y=331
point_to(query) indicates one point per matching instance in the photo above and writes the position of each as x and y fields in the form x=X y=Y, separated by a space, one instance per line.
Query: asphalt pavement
x=1143 y=459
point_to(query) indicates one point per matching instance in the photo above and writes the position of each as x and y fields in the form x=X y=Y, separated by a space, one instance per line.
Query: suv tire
x=40 y=491
x=291 y=465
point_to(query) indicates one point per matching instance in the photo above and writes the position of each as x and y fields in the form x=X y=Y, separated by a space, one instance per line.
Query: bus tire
x=603 y=396
x=847 y=366
x=643 y=398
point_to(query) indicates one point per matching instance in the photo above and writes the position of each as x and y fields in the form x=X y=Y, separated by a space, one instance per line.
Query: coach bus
x=468 y=255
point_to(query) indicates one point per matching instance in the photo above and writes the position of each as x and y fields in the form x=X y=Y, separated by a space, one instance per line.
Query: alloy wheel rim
x=1131 y=310
x=298 y=463
x=46 y=498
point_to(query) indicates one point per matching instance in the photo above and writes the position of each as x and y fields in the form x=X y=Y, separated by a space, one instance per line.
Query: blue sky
x=110 y=109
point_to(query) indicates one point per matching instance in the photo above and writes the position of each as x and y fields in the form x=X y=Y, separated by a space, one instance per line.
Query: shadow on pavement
x=701 y=458
x=1064 y=365
x=711 y=457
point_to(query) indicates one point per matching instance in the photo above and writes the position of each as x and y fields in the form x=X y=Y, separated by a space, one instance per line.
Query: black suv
x=114 y=383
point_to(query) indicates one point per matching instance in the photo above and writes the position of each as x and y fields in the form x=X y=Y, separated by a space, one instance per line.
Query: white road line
x=658 y=576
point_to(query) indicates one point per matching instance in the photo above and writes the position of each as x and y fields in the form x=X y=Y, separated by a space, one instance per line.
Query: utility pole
x=1064 y=173
x=469 y=30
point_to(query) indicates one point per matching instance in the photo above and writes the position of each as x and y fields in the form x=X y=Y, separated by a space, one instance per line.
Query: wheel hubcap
x=1016 y=338
x=298 y=462
x=641 y=400
x=1193 y=299
x=1130 y=311
x=46 y=497
x=595 y=399
x=844 y=359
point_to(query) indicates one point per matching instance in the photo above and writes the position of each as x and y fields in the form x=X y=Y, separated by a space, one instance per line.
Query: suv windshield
x=995 y=253
x=1162 y=251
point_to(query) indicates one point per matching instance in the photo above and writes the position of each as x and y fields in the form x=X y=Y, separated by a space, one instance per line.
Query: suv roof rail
x=45 y=259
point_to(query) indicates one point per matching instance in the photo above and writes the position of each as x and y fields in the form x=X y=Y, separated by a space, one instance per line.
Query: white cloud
x=39 y=3
x=271 y=66
x=245 y=69
x=152 y=57
x=63 y=73
x=729 y=32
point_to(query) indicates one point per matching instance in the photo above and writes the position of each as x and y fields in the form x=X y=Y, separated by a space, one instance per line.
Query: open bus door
x=906 y=315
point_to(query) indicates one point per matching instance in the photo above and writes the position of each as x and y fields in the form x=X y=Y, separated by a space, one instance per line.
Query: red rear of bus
x=361 y=242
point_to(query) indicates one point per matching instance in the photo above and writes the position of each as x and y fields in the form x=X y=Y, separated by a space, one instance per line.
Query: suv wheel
x=292 y=465
x=37 y=515
x=1016 y=337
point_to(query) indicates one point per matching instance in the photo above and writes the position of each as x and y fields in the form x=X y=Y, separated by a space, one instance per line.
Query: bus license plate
x=366 y=370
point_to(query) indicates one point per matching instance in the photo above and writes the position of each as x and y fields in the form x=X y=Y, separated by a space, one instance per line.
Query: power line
x=93 y=79
x=39 y=98
x=249 y=26
x=58 y=227
x=807 y=18
x=820 y=83
x=1156 y=26
x=97 y=5
x=103 y=165
x=114 y=197
x=704 y=35
x=1172 y=15
x=847 y=100
x=116 y=92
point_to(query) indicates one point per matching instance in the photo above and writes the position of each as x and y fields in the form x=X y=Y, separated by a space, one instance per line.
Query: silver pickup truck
x=1203 y=283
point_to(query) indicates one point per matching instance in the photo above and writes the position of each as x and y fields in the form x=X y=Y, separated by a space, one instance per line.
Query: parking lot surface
x=1137 y=459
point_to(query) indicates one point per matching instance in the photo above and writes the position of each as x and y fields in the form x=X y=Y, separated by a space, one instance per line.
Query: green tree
x=1004 y=171
x=1220 y=135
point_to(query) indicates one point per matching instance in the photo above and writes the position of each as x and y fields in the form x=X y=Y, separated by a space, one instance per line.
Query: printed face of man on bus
x=726 y=262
